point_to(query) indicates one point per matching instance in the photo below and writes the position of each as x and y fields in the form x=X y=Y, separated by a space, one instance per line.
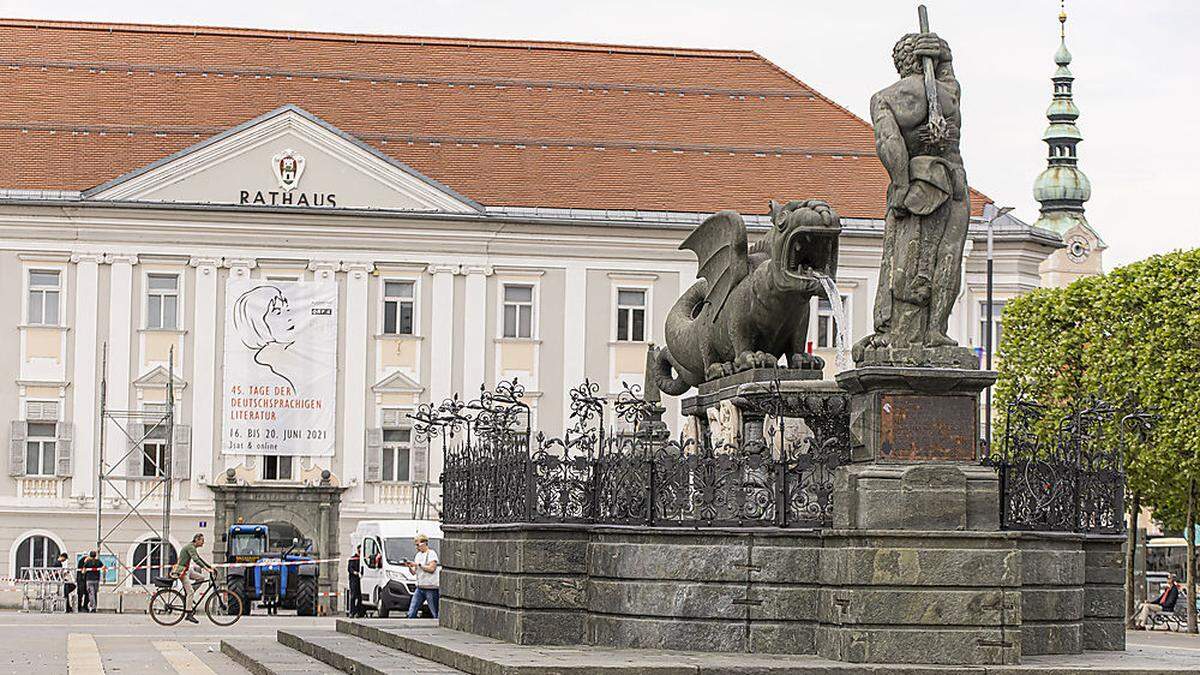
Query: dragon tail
x=668 y=383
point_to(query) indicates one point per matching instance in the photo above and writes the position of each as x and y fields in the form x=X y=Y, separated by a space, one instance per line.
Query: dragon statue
x=750 y=305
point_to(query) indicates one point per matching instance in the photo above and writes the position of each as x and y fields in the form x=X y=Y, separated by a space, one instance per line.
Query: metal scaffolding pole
x=148 y=459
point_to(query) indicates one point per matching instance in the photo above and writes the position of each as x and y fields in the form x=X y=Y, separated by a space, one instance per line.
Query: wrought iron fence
x=1068 y=475
x=617 y=463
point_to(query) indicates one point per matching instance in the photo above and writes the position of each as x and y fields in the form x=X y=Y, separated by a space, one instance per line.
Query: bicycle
x=221 y=605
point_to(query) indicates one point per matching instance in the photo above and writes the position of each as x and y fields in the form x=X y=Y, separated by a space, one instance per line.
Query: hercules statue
x=917 y=123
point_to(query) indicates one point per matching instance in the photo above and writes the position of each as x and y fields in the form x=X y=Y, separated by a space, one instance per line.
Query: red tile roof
x=505 y=122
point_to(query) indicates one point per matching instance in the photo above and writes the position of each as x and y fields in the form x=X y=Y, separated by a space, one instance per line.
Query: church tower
x=1062 y=187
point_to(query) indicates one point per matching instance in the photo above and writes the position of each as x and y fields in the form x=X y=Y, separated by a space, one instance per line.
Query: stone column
x=121 y=316
x=475 y=342
x=205 y=402
x=574 y=336
x=441 y=345
x=85 y=376
x=354 y=428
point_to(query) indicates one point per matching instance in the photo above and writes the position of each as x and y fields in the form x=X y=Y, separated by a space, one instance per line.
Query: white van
x=387 y=585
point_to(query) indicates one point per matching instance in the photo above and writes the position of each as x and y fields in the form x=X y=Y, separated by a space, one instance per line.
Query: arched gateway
x=300 y=511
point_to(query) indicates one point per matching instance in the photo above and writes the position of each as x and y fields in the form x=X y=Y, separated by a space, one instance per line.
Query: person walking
x=187 y=572
x=92 y=567
x=354 y=570
x=427 y=569
x=68 y=584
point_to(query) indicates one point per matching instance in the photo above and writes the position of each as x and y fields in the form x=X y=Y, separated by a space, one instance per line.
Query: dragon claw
x=805 y=361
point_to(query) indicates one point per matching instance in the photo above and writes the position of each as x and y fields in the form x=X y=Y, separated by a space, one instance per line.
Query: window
x=518 y=311
x=827 y=323
x=36 y=551
x=277 y=467
x=154 y=450
x=997 y=308
x=39 y=448
x=43 y=297
x=398 y=307
x=631 y=315
x=152 y=558
x=396 y=443
x=162 y=301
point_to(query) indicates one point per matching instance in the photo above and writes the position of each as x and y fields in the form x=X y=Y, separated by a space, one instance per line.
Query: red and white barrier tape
x=261 y=563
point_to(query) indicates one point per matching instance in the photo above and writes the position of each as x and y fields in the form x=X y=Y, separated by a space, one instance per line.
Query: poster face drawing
x=280 y=369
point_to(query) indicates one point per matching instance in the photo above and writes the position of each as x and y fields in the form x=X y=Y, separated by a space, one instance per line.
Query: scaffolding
x=149 y=436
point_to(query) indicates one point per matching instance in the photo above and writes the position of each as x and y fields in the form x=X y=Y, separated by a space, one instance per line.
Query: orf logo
x=288 y=167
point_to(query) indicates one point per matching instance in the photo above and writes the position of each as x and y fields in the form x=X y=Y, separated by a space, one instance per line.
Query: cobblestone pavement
x=108 y=644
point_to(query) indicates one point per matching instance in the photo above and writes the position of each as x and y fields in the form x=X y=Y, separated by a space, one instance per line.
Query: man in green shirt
x=187 y=572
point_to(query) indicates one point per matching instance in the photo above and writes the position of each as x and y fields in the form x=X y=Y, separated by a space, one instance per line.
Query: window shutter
x=373 y=471
x=418 y=460
x=392 y=418
x=16 y=448
x=41 y=411
x=62 y=449
x=181 y=451
x=133 y=463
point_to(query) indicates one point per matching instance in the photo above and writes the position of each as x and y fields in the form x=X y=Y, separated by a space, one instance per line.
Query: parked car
x=387 y=584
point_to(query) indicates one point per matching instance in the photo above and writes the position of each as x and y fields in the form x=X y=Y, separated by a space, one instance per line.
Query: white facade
x=435 y=295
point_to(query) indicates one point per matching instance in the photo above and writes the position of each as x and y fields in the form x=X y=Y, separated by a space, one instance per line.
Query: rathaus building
x=304 y=236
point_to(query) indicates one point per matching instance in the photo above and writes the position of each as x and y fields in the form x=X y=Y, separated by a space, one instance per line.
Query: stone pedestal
x=748 y=398
x=923 y=574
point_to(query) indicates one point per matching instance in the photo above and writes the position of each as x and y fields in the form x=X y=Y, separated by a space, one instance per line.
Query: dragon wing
x=720 y=247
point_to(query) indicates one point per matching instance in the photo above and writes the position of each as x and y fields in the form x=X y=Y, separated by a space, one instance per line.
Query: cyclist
x=186 y=572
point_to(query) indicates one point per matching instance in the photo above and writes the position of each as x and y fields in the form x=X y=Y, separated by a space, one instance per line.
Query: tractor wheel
x=237 y=586
x=381 y=610
x=306 y=596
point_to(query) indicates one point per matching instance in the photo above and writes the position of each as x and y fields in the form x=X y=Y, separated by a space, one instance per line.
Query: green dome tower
x=1062 y=188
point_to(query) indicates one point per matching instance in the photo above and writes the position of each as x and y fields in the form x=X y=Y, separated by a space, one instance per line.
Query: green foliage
x=1133 y=333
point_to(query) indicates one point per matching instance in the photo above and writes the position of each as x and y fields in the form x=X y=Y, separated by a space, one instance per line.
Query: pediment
x=156 y=378
x=397 y=383
x=285 y=158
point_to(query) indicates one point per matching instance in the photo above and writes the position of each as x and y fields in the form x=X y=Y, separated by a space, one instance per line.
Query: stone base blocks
x=947 y=597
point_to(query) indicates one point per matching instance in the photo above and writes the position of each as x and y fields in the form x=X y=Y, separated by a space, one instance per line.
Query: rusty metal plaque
x=913 y=427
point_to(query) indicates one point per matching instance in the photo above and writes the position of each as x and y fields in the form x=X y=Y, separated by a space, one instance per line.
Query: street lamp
x=988 y=332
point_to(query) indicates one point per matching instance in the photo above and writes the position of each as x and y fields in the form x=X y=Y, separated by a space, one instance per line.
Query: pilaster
x=441 y=345
x=574 y=335
x=120 y=327
x=474 y=327
x=354 y=418
x=85 y=375
x=205 y=402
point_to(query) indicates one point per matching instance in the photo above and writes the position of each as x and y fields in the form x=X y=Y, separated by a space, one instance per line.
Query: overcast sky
x=1134 y=62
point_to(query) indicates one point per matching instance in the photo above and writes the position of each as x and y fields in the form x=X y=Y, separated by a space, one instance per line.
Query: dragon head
x=803 y=242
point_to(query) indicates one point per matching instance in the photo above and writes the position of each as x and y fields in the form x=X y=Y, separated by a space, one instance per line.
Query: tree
x=1132 y=334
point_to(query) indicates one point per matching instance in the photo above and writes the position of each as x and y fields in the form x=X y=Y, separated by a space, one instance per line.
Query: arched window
x=36 y=551
x=152 y=558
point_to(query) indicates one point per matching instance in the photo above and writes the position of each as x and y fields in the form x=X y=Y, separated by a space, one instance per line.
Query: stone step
x=486 y=656
x=350 y=654
x=266 y=657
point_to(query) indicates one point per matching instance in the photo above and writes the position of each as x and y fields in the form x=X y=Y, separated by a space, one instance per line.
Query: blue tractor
x=284 y=579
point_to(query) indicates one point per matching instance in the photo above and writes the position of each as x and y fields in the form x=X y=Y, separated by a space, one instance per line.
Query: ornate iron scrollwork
x=1072 y=478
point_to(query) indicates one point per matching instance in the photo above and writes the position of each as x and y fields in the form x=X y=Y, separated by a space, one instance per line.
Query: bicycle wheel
x=166 y=607
x=223 y=607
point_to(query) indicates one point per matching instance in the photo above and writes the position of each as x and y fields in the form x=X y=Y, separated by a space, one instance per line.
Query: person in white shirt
x=427 y=568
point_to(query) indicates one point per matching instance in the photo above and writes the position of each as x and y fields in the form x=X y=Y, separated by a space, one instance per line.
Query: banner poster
x=280 y=379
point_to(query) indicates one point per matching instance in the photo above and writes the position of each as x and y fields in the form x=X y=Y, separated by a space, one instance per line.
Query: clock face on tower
x=1078 y=248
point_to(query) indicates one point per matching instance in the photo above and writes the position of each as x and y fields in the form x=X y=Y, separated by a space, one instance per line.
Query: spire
x=1062 y=188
